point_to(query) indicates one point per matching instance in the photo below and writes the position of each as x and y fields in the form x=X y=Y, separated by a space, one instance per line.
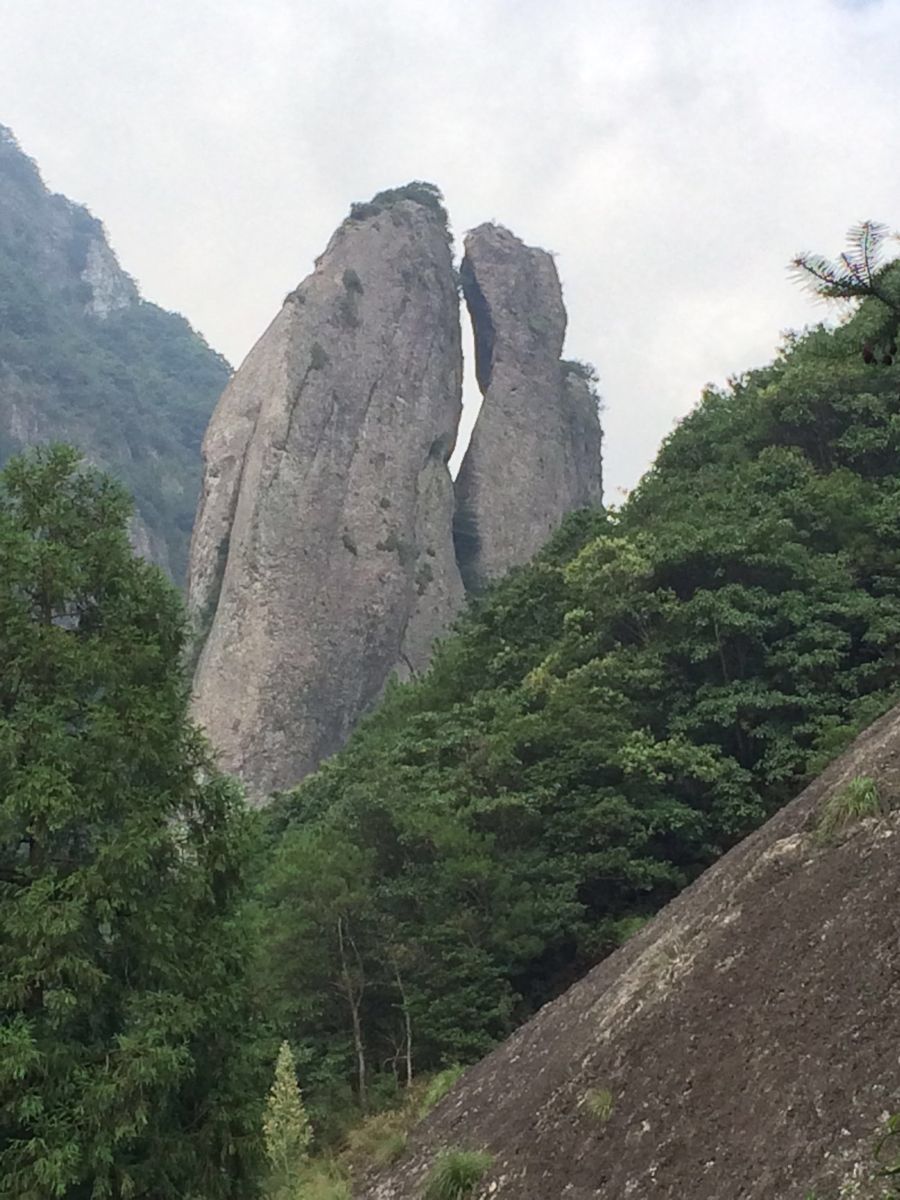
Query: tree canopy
x=123 y=1011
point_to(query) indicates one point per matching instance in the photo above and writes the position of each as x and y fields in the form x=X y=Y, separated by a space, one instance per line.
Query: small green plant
x=456 y=1174
x=859 y=799
x=320 y=1182
x=379 y=1139
x=887 y=1152
x=599 y=1103
x=390 y=1149
x=439 y=1087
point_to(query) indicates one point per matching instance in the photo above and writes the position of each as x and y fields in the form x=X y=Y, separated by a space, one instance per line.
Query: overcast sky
x=673 y=155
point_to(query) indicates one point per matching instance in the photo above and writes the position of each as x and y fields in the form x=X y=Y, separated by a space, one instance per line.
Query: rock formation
x=742 y=1044
x=322 y=558
x=534 y=455
x=84 y=359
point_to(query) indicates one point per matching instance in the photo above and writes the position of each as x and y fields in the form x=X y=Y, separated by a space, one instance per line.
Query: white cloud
x=674 y=155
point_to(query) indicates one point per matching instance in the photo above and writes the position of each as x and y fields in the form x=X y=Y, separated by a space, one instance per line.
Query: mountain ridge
x=84 y=359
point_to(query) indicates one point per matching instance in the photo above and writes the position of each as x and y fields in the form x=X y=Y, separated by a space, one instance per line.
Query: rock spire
x=322 y=558
x=534 y=455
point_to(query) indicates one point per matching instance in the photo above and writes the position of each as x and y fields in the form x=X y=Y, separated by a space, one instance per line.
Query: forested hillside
x=604 y=723
x=85 y=360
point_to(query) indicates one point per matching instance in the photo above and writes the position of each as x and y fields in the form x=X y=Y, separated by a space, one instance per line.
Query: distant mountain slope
x=84 y=359
x=743 y=1044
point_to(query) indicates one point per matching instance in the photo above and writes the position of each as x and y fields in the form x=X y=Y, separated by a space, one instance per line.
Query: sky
x=673 y=154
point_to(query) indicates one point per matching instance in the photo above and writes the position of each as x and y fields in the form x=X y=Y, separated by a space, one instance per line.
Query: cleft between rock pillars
x=330 y=548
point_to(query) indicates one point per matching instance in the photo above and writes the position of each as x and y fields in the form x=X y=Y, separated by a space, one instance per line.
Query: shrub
x=456 y=1174
x=420 y=192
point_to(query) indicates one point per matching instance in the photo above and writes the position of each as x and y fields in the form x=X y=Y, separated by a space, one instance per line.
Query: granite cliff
x=534 y=455
x=322 y=557
x=741 y=1044
x=84 y=359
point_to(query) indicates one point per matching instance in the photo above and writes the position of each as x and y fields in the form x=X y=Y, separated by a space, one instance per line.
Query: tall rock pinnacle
x=535 y=449
x=322 y=559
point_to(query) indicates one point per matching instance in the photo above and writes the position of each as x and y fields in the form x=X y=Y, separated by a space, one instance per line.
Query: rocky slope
x=742 y=1044
x=322 y=558
x=83 y=359
x=534 y=455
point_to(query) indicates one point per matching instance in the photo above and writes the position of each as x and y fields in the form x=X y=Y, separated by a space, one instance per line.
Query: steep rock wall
x=534 y=455
x=322 y=557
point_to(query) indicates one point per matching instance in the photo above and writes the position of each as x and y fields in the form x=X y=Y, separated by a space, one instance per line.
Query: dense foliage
x=604 y=723
x=133 y=388
x=125 y=1049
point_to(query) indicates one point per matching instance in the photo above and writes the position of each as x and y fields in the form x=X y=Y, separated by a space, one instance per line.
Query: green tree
x=124 y=1024
x=286 y=1126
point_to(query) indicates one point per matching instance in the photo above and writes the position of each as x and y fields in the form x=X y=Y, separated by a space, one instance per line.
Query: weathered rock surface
x=534 y=455
x=743 y=1044
x=322 y=557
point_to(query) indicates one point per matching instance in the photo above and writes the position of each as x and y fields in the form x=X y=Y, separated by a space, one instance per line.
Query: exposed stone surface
x=534 y=455
x=744 y=1042
x=110 y=288
x=322 y=558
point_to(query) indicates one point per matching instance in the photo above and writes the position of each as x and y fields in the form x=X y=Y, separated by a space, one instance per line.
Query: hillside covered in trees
x=84 y=359
x=602 y=726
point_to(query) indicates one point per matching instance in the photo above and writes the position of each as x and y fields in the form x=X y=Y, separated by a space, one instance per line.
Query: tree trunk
x=354 y=995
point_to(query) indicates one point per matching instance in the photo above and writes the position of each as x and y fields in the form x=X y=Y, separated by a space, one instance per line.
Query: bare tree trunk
x=354 y=994
x=407 y=1026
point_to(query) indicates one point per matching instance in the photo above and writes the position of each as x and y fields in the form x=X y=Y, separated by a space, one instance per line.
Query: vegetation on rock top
x=429 y=195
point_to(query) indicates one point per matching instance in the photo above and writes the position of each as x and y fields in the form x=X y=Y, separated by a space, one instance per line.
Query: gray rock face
x=322 y=557
x=535 y=449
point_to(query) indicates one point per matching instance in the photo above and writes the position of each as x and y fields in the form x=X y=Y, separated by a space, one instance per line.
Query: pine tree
x=860 y=273
x=123 y=1018
x=286 y=1126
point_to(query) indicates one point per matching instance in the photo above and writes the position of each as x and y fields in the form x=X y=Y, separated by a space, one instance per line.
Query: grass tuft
x=438 y=1088
x=599 y=1103
x=858 y=800
x=456 y=1174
